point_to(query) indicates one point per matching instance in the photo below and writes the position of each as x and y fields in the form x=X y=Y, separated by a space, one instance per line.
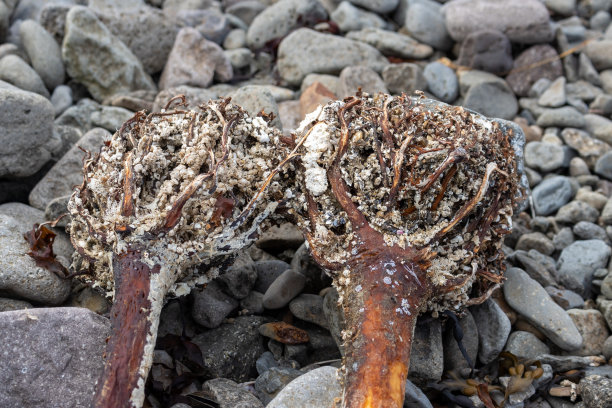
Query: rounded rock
x=317 y=388
x=287 y=286
x=525 y=345
x=441 y=81
x=551 y=194
x=544 y=157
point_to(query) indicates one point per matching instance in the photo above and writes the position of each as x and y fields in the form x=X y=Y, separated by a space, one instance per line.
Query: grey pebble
x=599 y=127
x=578 y=262
x=334 y=316
x=537 y=241
x=254 y=99
x=576 y=211
x=267 y=272
x=211 y=306
x=238 y=280
x=252 y=303
x=441 y=81
x=110 y=117
x=588 y=230
x=427 y=355
x=487 y=50
x=392 y=43
x=317 y=388
x=493 y=329
x=545 y=157
x=61 y=98
x=492 y=99
x=284 y=288
x=7 y=305
x=414 y=397
x=404 y=77
x=554 y=96
x=565 y=298
x=551 y=194
x=603 y=166
x=351 y=18
x=525 y=345
x=272 y=381
x=265 y=362
x=17 y=72
x=566 y=116
x=355 y=77
x=424 y=21
x=596 y=391
x=565 y=363
x=309 y=308
x=229 y=394
x=528 y=298
x=44 y=53
x=536 y=269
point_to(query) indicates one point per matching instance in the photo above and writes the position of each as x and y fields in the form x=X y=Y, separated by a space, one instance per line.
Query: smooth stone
x=280 y=237
x=493 y=329
x=267 y=272
x=522 y=79
x=306 y=51
x=211 y=306
x=236 y=38
x=231 y=350
x=607 y=348
x=602 y=105
x=331 y=82
x=252 y=304
x=528 y=298
x=351 y=18
x=588 y=147
x=316 y=278
x=246 y=11
x=17 y=72
x=600 y=53
x=567 y=299
x=67 y=172
x=238 y=280
x=596 y=391
x=576 y=211
x=195 y=61
x=414 y=397
x=551 y=194
x=335 y=317
x=26 y=125
x=587 y=71
x=282 y=17
x=486 y=50
x=578 y=262
x=563 y=238
x=599 y=127
x=544 y=157
x=606 y=287
x=391 y=43
x=19 y=275
x=594 y=199
x=284 y=288
x=8 y=305
x=229 y=394
x=536 y=269
x=44 y=53
x=525 y=345
x=427 y=355
x=55 y=356
x=492 y=99
x=424 y=20
x=254 y=99
x=359 y=77
x=210 y=22
x=562 y=7
x=79 y=115
x=110 y=117
x=600 y=20
x=309 y=308
x=566 y=116
x=441 y=81
x=265 y=362
x=523 y=21
x=592 y=326
x=272 y=381
x=453 y=358
x=404 y=77
x=603 y=166
x=606 y=212
x=554 y=96
x=61 y=98
x=98 y=59
x=377 y=6
x=317 y=388
x=146 y=31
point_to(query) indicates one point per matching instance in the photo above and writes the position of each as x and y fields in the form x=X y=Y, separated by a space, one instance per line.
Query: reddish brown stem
x=130 y=326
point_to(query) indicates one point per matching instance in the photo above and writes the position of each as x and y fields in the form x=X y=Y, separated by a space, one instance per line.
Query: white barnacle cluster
x=423 y=175
x=184 y=187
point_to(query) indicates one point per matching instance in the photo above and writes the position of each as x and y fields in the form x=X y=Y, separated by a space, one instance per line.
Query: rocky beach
x=268 y=332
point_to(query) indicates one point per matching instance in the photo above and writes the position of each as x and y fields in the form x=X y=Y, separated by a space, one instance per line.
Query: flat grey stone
x=588 y=147
x=309 y=308
x=576 y=211
x=229 y=394
x=551 y=194
x=284 y=288
x=17 y=72
x=267 y=272
x=441 y=81
x=546 y=157
x=26 y=125
x=51 y=357
x=453 y=358
x=20 y=276
x=355 y=77
x=492 y=99
x=377 y=6
x=61 y=98
x=272 y=381
x=578 y=262
x=566 y=116
x=351 y=18
x=306 y=51
x=565 y=298
x=493 y=329
x=528 y=298
x=44 y=53
x=7 y=305
x=317 y=388
x=554 y=96
x=238 y=280
x=427 y=355
x=486 y=50
x=599 y=127
x=603 y=166
x=404 y=77
x=525 y=345
x=96 y=58
x=211 y=306
x=536 y=62
x=391 y=43
x=67 y=172
x=600 y=53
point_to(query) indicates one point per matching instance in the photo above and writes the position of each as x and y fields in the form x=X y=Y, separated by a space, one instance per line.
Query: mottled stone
x=522 y=79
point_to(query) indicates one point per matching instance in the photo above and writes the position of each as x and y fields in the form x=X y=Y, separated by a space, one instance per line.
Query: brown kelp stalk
x=170 y=191
x=404 y=202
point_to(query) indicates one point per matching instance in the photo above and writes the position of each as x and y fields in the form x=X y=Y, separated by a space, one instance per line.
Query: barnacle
x=404 y=202
x=168 y=192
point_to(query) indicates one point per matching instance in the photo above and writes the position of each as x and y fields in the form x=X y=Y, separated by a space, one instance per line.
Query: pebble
x=551 y=194
x=594 y=199
x=588 y=230
x=525 y=345
x=592 y=326
x=309 y=308
x=231 y=350
x=351 y=18
x=19 y=275
x=236 y=38
x=554 y=96
x=391 y=43
x=523 y=21
x=589 y=148
x=486 y=50
x=110 y=117
x=414 y=397
x=492 y=99
x=228 y=394
x=211 y=306
x=606 y=287
x=576 y=211
x=602 y=105
x=528 y=298
x=317 y=388
x=252 y=303
x=284 y=288
x=66 y=173
x=522 y=79
x=26 y=124
x=577 y=263
x=606 y=212
x=596 y=391
x=587 y=71
x=566 y=116
x=194 y=61
x=355 y=77
x=441 y=81
x=305 y=51
x=89 y=49
x=545 y=157
x=404 y=77
x=424 y=21
x=562 y=7
x=427 y=355
x=238 y=279
x=61 y=98
x=600 y=53
x=17 y=72
x=7 y=305
x=607 y=348
x=537 y=270
x=567 y=299
x=44 y=53
x=267 y=272
x=285 y=235
x=377 y=6
x=282 y=17
x=493 y=329
x=55 y=356
x=453 y=358
x=272 y=381
x=603 y=166
x=335 y=317
x=599 y=127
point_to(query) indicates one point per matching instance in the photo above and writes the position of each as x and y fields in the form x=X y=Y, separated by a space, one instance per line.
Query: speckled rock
x=272 y=381
x=537 y=241
x=577 y=263
x=309 y=308
x=525 y=345
x=211 y=305
x=351 y=18
x=592 y=326
x=20 y=276
x=99 y=60
x=55 y=356
x=392 y=43
x=596 y=391
x=427 y=355
x=486 y=50
x=7 y=305
x=404 y=77
x=317 y=388
x=528 y=298
x=240 y=277
x=493 y=329
x=588 y=147
x=576 y=211
x=521 y=80
x=355 y=77
x=229 y=394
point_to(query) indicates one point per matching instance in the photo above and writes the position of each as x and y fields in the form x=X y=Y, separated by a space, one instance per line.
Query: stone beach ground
x=267 y=332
